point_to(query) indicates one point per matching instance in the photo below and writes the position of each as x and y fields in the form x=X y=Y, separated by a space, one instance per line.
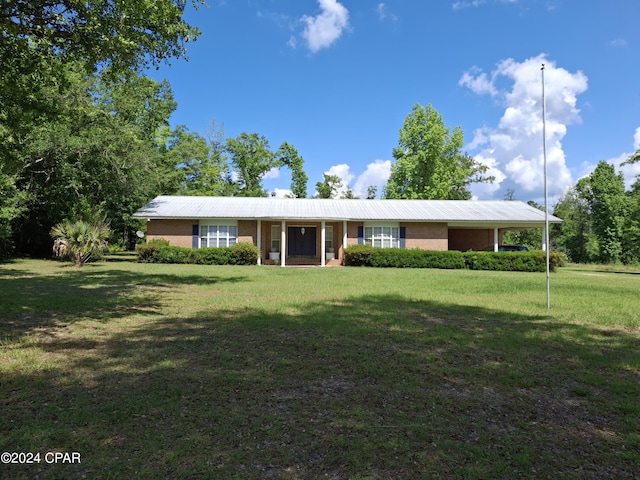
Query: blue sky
x=336 y=79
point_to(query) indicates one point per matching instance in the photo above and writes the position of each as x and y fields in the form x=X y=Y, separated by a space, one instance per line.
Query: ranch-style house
x=309 y=231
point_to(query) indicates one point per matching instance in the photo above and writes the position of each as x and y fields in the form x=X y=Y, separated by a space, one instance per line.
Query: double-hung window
x=328 y=239
x=275 y=238
x=382 y=236
x=218 y=235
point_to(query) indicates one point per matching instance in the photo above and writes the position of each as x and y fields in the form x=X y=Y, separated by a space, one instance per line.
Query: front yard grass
x=180 y=371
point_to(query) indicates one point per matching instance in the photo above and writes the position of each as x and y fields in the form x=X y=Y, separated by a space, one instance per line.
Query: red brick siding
x=464 y=239
x=427 y=236
x=352 y=232
x=177 y=232
x=248 y=231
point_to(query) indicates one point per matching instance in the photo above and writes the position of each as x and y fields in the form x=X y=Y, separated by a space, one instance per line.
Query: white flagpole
x=546 y=196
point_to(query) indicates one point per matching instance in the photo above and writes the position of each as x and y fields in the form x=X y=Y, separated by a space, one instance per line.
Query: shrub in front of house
x=366 y=255
x=513 y=261
x=416 y=258
x=505 y=261
x=147 y=250
x=172 y=254
x=358 y=255
x=244 y=253
x=238 y=254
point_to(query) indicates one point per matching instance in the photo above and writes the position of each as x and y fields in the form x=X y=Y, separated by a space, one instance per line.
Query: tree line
x=601 y=219
x=85 y=135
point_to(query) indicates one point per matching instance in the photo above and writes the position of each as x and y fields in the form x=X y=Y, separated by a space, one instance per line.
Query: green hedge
x=358 y=255
x=415 y=258
x=506 y=261
x=238 y=254
x=365 y=255
x=146 y=251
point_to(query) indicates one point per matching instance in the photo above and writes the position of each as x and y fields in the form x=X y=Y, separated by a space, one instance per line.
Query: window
x=382 y=236
x=328 y=239
x=275 y=238
x=218 y=235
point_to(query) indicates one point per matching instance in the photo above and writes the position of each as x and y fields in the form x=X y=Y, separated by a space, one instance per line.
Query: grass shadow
x=31 y=300
x=376 y=386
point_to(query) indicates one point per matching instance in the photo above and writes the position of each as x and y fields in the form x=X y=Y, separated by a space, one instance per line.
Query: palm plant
x=79 y=240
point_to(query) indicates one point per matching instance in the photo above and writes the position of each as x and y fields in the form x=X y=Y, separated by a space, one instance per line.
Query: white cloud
x=630 y=171
x=343 y=171
x=618 y=42
x=376 y=174
x=514 y=148
x=325 y=28
x=466 y=4
x=282 y=193
x=383 y=13
x=488 y=190
x=272 y=174
x=479 y=84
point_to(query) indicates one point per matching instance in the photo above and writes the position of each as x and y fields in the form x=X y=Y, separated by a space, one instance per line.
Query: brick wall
x=352 y=232
x=427 y=236
x=464 y=239
x=177 y=232
x=247 y=231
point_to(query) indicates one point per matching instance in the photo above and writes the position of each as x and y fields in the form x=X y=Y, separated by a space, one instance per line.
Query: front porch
x=303 y=262
x=301 y=243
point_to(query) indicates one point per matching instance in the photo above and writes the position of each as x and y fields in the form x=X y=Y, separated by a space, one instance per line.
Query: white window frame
x=275 y=238
x=382 y=235
x=217 y=233
x=328 y=238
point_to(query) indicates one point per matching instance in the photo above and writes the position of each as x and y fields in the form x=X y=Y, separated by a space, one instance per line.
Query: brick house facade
x=316 y=232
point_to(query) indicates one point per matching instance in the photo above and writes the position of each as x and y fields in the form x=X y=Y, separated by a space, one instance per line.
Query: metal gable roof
x=450 y=211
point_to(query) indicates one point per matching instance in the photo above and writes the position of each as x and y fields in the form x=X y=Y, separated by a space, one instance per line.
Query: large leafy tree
x=604 y=192
x=251 y=159
x=200 y=168
x=97 y=152
x=574 y=236
x=429 y=162
x=631 y=233
x=38 y=38
x=125 y=34
x=288 y=156
x=49 y=128
x=329 y=186
x=11 y=206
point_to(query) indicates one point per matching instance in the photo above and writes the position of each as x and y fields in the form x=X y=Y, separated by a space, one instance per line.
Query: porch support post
x=259 y=241
x=283 y=242
x=323 y=236
x=496 y=239
x=344 y=238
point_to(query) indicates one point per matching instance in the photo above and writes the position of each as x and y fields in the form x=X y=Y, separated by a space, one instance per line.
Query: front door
x=301 y=241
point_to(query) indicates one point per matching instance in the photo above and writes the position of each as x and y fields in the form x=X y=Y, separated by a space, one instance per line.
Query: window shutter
x=403 y=237
x=361 y=235
x=195 y=231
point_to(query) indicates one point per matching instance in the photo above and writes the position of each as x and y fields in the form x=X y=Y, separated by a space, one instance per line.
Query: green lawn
x=178 y=371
